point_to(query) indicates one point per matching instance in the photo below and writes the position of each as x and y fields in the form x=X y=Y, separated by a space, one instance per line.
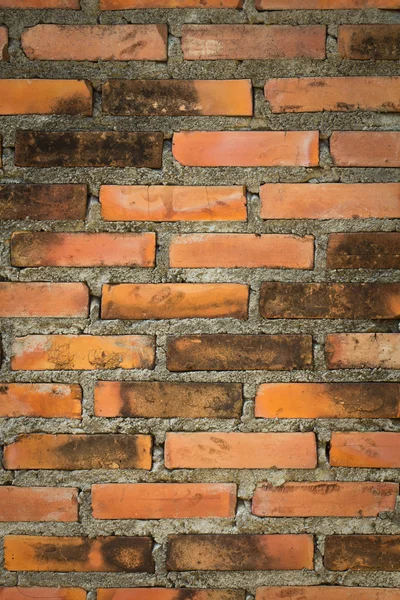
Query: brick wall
x=200 y=299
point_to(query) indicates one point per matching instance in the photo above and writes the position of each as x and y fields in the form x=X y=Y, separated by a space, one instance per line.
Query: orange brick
x=163 y=500
x=38 y=504
x=376 y=450
x=240 y=451
x=174 y=301
x=369 y=42
x=125 y=4
x=82 y=352
x=48 y=249
x=363 y=350
x=95 y=42
x=328 y=401
x=47 y=400
x=72 y=4
x=3 y=43
x=173 y=203
x=174 y=97
x=44 y=299
x=330 y=592
x=172 y=594
x=234 y=250
x=252 y=42
x=42 y=593
x=70 y=452
x=78 y=554
x=324 y=499
x=41 y=202
x=369 y=250
x=323 y=5
x=246 y=148
x=340 y=94
x=366 y=148
x=45 y=96
x=240 y=552
x=362 y=552
x=330 y=200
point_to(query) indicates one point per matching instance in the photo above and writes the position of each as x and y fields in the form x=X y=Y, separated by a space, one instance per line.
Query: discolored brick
x=41 y=202
x=369 y=42
x=45 y=96
x=362 y=552
x=367 y=250
x=329 y=592
x=171 y=594
x=38 y=504
x=363 y=350
x=42 y=593
x=46 y=400
x=376 y=450
x=324 y=5
x=129 y=4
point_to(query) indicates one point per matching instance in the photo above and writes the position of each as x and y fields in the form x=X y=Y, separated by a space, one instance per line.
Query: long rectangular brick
x=88 y=149
x=44 y=299
x=163 y=500
x=46 y=400
x=42 y=202
x=174 y=97
x=173 y=203
x=38 y=504
x=172 y=594
x=324 y=499
x=369 y=42
x=49 y=249
x=366 y=148
x=240 y=450
x=3 y=43
x=329 y=592
x=130 y=4
x=237 y=250
x=174 y=301
x=328 y=401
x=82 y=352
x=339 y=94
x=240 y=552
x=246 y=148
x=376 y=450
x=363 y=350
x=330 y=200
x=95 y=42
x=362 y=552
x=252 y=42
x=324 y=5
x=70 y=452
x=45 y=96
x=167 y=399
x=330 y=300
x=227 y=352
x=78 y=554
x=367 y=250
x=25 y=4
x=42 y=593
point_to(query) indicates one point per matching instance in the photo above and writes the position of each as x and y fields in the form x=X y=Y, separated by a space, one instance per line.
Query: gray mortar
x=173 y=173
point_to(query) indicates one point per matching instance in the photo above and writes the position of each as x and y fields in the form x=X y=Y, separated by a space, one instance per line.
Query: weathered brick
x=42 y=202
x=330 y=300
x=38 y=504
x=44 y=299
x=234 y=250
x=88 y=149
x=82 y=352
x=78 y=554
x=95 y=42
x=367 y=250
x=376 y=450
x=172 y=97
x=323 y=5
x=330 y=200
x=173 y=594
x=340 y=94
x=329 y=592
x=163 y=500
x=240 y=450
x=70 y=452
x=167 y=399
x=46 y=400
x=252 y=42
x=173 y=203
x=45 y=96
x=3 y=43
x=362 y=552
x=324 y=499
x=328 y=401
x=363 y=350
x=125 y=4
x=366 y=148
x=226 y=352
x=48 y=249
x=240 y=552
x=174 y=301
x=246 y=148
x=42 y=593
x=64 y=4
x=369 y=42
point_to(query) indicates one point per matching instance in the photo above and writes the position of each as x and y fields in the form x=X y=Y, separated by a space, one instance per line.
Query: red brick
x=369 y=42
x=3 y=43
x=363 y=350
x=324 y=499
x=240 y=451
x=95 y=42
x=330 y=592
x=252 y=42
x=47 y=400
x=44 y=299
x=125 y=4
x=369 y=250
x=323 y=5
x=246 y=148
x=362 y=552
x=366 y=148
x=375 y=450
x=45 y=96
x=38 y=504
x=172 y=594
x=42 y=593
x=42 y=202
x=163 y=500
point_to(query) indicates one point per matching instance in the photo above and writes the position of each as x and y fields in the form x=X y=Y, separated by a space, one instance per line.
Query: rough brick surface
x=362 y=552
x=35 y=96
x=38 y=504
x=41 y=202
x=45 y=400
